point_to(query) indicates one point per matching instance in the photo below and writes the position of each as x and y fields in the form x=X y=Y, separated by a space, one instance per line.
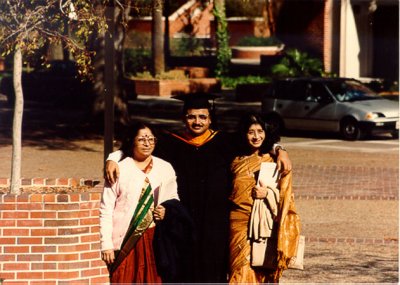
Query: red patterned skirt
x=139 y=266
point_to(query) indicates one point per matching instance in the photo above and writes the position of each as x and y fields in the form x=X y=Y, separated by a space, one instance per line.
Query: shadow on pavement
x=47 y=127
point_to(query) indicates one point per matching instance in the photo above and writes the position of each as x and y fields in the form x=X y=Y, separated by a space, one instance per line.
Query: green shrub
x=296 y=63
x=190 y=46
x=137 y=60
x=231 y=82
x=172 y=74
x=259 y=41
x=224 y=53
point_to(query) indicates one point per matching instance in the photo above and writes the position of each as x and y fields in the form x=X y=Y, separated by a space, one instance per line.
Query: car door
x=319 y=109
x=291 y=104
x=307 y=105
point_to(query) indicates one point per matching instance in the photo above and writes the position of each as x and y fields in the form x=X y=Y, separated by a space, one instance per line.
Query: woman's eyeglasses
x=149 y=140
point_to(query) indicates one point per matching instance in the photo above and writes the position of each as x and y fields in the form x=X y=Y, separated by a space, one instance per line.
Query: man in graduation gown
x=201 y=158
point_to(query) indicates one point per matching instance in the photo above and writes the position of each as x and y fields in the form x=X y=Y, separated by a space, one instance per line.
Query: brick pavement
x=346 y=182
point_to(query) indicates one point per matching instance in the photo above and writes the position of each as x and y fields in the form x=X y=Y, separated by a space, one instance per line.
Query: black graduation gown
x=173 y=238
x=204 y=185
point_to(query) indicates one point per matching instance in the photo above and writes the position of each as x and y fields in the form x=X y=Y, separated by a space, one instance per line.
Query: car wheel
x=274 y=122
x=350 y=130
x=395 y=134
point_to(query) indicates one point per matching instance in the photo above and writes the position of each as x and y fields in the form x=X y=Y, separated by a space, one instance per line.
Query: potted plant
x=252 y=47
x=172 y=82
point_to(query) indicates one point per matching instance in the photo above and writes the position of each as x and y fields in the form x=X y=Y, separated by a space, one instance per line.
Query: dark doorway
x=386 y=41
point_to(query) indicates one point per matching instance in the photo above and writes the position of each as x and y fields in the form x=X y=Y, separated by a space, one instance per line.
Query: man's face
x=197 y=121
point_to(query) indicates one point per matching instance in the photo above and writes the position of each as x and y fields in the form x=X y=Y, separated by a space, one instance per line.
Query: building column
x=349 y=42
x=328 y=35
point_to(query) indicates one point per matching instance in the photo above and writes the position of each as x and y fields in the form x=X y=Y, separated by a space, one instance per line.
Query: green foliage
x=296 y=63
x=32 y=24
x=137 y=60
x=141 y=8
x=259 y=41
x=172 y=75
x=189 y=46
x=224 y=53
x=231 y=82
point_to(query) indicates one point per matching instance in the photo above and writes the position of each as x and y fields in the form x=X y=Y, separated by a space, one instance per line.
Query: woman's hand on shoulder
x=108 y=256
x=283 y=162
x=159 y=213
x=111 y=173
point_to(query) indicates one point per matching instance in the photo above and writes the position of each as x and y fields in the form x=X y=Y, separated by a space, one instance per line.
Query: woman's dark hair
x=271 y=135
x=129 y=136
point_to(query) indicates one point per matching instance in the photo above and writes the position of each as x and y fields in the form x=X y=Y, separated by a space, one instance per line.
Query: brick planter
x=194 y=71
x=242 y=52
x=50 y=238
x=167 y=87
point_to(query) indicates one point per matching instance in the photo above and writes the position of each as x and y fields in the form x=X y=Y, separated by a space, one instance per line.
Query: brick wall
x=305 y=30
x=51 y=238
x=237 y=27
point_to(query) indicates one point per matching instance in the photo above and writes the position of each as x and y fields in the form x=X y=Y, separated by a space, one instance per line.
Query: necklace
x=144 y=165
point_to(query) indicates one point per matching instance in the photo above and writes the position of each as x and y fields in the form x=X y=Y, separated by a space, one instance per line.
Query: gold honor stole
x=196 y=141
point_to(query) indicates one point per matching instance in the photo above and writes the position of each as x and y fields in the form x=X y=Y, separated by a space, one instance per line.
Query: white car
x=329 y=104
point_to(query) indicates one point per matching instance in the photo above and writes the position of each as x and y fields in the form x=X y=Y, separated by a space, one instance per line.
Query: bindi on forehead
x=145 y=132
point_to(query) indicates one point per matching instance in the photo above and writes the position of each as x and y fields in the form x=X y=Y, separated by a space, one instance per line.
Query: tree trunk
x=17 y=125
x=66 y=53
x=157 y=38
x=120 y=97
x=167 y=52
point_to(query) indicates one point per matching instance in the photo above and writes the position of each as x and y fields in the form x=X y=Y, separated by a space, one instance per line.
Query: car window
x=295 y=90
x=351 y=90
x=317 y=93
x=282 y=89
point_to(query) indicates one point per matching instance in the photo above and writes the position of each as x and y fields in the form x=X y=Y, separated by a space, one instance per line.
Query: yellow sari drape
x=243 y=169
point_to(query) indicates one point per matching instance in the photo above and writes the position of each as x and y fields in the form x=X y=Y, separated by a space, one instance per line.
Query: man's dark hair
x=199 y=100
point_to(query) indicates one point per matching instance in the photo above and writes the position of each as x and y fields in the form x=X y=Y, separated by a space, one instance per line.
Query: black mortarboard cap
x=199 y=100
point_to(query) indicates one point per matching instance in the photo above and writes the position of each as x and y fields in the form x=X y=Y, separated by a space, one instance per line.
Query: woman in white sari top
x=130 y=207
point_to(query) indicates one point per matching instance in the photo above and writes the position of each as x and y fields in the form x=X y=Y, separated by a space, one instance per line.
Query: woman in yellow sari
x=257 y=141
